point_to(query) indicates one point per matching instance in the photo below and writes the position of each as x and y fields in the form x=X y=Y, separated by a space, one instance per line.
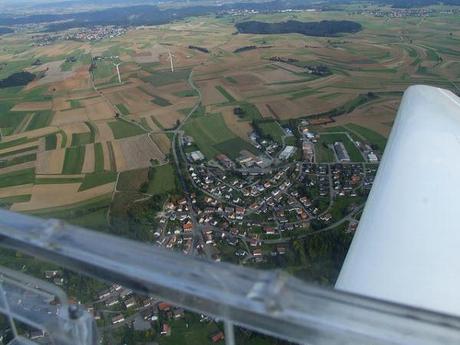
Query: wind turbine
x=117 y=66
x=171 y=56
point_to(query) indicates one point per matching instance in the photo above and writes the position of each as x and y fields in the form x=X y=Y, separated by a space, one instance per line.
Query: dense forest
x=17 y=79
x=324 y=28
x=4 y=31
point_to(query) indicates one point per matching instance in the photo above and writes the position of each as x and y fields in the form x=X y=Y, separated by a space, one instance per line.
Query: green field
x=122 y=108
x=20 y=159
x=271 y=130
x=82 y=59
x=162 y=102
x=92 y=131
x=225 y=93
x=79 y=139
x=250 y=112
x=57 y=180
x=9 y=120
x=302 y=93
x=371 y=136
x=90 y=214
x=231 y=80
x=166 y=77
x=98 y=157
x=64 y=139
x=212 y=136
x=16 y=152
x=74 y=104
x=104 y=69
x=186 y=93
x=96 y=220
x=97 y=179
x=123 y=129
x=132 y=180
x=15 y=142
x=74 y=159
x=17 y=178
x=16 y=198
x=163 y=181
x=40 y=119
x=51 y=142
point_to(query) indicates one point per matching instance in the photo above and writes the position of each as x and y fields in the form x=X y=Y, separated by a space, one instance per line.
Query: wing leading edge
x=407 y=246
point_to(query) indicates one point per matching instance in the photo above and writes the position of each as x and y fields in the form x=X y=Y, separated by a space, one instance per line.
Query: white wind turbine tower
x=117 y=66
x=171 y=56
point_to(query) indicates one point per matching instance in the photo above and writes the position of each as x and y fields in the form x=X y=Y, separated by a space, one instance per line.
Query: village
x=245 y=211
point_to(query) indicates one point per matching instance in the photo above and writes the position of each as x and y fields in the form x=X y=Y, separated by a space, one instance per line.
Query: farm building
x=287 y=152
x=341 y=152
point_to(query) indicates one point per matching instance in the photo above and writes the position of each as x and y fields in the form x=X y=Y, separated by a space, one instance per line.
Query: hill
x=323 y=28
x=4 y=31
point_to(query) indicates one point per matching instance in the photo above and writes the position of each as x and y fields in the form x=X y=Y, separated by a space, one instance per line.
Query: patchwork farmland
x=76 y=128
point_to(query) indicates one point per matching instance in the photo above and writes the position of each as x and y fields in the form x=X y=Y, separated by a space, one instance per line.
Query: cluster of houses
x=95 y=33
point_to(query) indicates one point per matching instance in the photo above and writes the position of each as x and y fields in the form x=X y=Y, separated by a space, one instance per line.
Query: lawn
x=73 y=161
x=373 y=137
x=17 y=178
x=225 y=93
x=209 y=131
x=123 y=129
x=163 y=181
x=97 y=179
x=166 y=77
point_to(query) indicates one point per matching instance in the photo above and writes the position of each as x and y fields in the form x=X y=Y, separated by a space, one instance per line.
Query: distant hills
x=4 y=31
x=324 y=28
x=143 y=14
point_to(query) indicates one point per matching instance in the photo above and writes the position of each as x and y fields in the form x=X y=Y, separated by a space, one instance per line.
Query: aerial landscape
x=241 y=132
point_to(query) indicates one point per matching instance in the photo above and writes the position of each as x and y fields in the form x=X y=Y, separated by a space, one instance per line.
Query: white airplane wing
x=407 y=245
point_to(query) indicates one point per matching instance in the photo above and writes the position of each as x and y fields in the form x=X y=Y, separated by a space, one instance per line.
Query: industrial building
x=341 y=152
x=287 y=152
